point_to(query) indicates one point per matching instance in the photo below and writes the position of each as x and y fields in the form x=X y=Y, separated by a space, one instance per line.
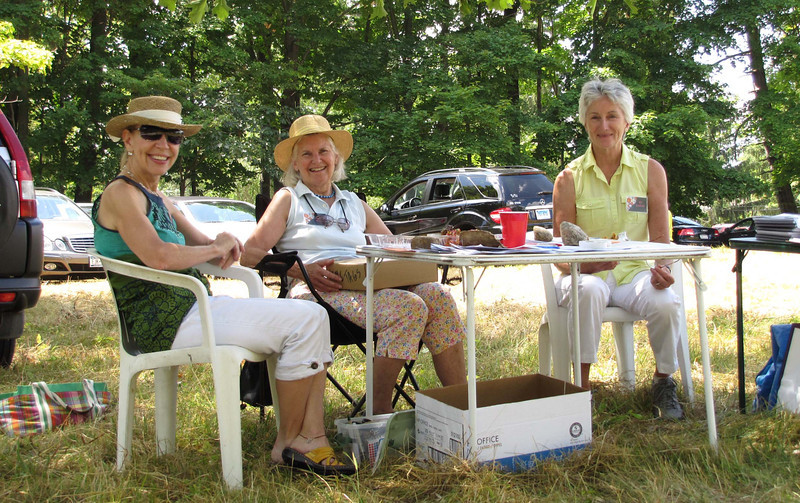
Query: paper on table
x=483 y=250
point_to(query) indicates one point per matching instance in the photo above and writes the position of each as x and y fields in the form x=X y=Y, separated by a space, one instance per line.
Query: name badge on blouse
x=636 y=204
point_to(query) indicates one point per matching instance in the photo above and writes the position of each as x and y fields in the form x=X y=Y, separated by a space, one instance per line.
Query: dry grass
x=72 y=334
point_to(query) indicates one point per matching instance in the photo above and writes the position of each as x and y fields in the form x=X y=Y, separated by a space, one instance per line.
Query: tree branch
x=731 y=56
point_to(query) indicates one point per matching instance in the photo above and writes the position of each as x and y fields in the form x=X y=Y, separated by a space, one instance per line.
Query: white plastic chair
x=554 y=344
x=225 y=364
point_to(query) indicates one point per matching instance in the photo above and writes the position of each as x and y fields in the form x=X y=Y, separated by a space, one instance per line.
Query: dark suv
x=20 y=241
x=469 y=198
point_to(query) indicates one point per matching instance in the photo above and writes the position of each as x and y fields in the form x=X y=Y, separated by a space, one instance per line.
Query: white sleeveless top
x=317 y=242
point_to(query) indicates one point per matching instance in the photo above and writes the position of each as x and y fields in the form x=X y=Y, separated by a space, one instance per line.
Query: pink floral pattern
x=402 y=317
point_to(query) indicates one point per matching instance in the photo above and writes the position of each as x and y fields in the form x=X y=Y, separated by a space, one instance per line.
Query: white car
x=213 y=215
x=86 y=207
x=68 y=233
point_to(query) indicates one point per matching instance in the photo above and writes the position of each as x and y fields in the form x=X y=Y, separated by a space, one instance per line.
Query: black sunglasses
x=154 y=133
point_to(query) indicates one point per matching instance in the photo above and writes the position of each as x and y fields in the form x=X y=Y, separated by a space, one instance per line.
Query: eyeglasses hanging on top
x=326 y=220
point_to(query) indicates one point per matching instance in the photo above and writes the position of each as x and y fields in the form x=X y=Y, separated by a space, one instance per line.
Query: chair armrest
x=249 y=277
x=150 y=274
x=276 y=264
x=167 y=278
x=279 y=264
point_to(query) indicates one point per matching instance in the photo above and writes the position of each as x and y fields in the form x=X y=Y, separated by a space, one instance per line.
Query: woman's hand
x=593 y=267
x=321 y=278
x=230 y=248
x=661 y=277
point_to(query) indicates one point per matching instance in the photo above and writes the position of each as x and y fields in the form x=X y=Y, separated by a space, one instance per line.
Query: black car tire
x=7 y=347
x=9 y=202
x=11 y=325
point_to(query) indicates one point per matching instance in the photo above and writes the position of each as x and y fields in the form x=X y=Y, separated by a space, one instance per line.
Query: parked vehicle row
x=466 y=198
x=688 y=232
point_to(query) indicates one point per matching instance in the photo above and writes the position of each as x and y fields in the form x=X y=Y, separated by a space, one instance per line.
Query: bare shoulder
x=282 y=199
x=116 y=202
x=655 y=171
x=565 y=175
x=653 y=165
x=564 y=181
x=367 y=207
x=120 y=192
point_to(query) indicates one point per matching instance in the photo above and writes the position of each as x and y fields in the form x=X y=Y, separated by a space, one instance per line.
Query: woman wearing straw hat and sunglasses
x=322 y=222
x=134 y=221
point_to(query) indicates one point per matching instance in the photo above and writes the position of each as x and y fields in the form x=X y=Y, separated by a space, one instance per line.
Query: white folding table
x=627 y=251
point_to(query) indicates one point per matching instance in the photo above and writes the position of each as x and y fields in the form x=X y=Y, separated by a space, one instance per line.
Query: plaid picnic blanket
x=40 y=407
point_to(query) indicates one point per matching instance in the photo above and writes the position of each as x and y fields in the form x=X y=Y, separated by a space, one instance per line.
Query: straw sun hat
x=151 y=111
x=311 y=124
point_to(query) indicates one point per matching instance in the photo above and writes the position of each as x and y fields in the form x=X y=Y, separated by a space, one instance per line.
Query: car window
x=411 y=197
x=457 y=193
x=526 y=188
x=221 y=211
x=480 y=187
x=443 y=189
x=55 y=208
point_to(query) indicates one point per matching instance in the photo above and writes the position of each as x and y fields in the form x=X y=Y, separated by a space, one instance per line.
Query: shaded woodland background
x=422 y=85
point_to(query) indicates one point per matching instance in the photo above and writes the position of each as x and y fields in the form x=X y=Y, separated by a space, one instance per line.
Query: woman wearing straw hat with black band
x=322 y=223
x=134 y=221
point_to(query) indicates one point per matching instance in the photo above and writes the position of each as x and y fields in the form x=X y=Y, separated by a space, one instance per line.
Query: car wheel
x=11 y=325
x=7 y=347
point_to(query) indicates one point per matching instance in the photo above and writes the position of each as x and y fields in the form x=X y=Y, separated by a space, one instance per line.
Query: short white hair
x=291 y=176
x=613 y=89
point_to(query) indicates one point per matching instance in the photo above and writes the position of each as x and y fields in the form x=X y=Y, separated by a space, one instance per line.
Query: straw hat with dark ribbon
x=158 y=111
x=312 y=124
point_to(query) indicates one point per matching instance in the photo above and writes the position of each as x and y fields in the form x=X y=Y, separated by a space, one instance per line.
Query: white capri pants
x=297 y=330
x=660 y=308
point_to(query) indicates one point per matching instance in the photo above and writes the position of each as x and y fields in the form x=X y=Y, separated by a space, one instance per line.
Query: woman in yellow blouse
x=608 y=190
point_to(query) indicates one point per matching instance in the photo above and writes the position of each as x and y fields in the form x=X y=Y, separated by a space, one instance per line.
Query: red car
x=21 y=241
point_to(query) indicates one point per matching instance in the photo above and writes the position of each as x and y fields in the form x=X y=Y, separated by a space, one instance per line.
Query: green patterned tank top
x=152 y=311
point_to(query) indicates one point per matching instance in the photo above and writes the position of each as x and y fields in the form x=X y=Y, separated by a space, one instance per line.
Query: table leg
x=472 y=394
x=708 y=388
x=574 y=271
x=740 y=254
x=370 y=272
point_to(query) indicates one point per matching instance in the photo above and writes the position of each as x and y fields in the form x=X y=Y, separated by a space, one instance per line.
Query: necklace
x=329 y=196
x=135 y=179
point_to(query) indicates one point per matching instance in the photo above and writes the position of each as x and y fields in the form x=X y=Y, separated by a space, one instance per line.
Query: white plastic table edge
x=467 y=262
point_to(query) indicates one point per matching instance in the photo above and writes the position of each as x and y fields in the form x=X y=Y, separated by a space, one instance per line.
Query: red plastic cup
x=515 y=226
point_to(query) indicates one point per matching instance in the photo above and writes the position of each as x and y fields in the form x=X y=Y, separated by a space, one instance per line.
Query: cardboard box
x=520 y=421
x=389 y=273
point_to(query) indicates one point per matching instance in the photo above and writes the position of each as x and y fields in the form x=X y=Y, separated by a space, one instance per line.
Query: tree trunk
x=512 y=93
x=783 y=191
x=290 y=97
x=93 y=89
x=539 y=36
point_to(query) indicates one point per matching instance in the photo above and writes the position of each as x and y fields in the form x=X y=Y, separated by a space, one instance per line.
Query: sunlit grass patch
x=72 y=334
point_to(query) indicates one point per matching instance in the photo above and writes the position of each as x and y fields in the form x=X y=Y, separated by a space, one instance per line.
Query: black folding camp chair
x=343 y=332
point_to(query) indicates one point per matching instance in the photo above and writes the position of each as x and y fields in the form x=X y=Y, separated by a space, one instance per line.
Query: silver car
x=213 y=215
x=68 y=233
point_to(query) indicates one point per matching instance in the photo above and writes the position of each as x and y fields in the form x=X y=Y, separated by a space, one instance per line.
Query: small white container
x=595 y=244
